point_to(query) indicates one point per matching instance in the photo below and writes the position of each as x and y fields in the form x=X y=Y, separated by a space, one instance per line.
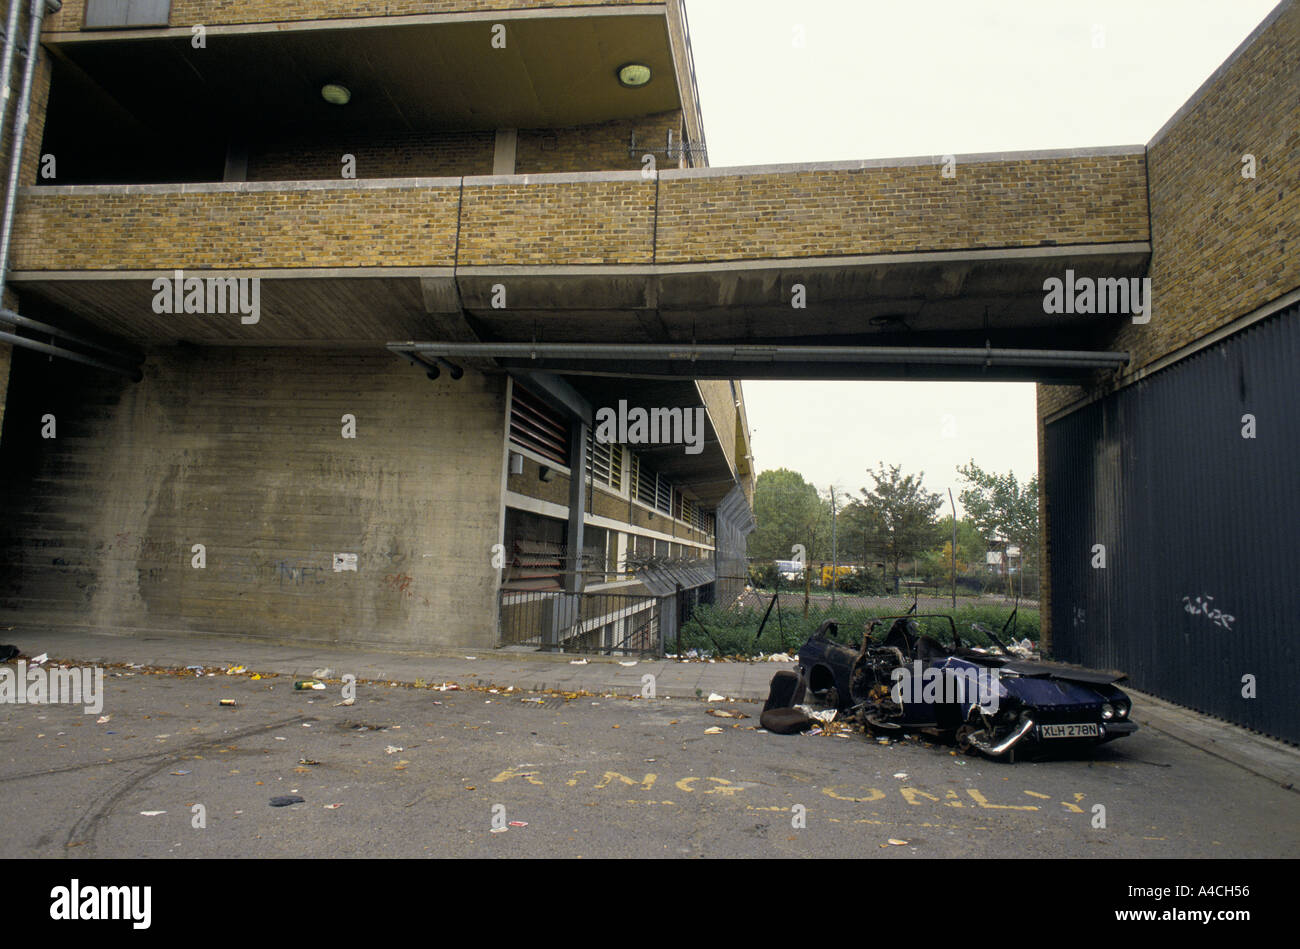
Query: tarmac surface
x=573 y=760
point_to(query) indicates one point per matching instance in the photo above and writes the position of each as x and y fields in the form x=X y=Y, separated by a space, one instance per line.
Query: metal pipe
x=7 y=62
x=433 y=372
x=1005 y=744
x=23 y=322
x=778 y=353
x=135 y=375
x=21 y=115
x=455 y=370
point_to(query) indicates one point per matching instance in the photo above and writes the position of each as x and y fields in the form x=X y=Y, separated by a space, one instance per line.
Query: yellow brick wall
x=602 y=147
x=339 y=226
x=211 y=12
x=417 y=155
x=581 y=221
x=598 y=222
x=599 y=147
x=895 y=209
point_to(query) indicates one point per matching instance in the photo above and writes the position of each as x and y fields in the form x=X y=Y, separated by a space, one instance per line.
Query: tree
x=789 y=511
x=1000 y=506
x=904 y=513
x=970 y=544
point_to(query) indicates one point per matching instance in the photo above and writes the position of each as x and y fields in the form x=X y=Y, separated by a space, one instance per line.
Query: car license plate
x=1082 y=730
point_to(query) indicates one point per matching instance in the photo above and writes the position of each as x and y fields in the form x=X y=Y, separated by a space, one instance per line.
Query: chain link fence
x=781 y=605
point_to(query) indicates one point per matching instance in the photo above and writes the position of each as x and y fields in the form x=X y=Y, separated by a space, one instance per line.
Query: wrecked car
x=986 y=701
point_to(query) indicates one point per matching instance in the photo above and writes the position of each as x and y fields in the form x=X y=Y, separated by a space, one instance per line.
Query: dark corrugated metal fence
x=1200 y=527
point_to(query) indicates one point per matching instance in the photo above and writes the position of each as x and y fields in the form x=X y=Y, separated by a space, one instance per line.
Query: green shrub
x=716 y=631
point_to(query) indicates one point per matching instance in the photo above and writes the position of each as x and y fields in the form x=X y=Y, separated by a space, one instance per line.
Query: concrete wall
x=1222 y=245
x=241 y=450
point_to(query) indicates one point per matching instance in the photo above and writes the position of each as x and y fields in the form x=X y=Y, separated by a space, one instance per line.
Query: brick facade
x=684 y=217
x=1222 y=245
x=214 y=12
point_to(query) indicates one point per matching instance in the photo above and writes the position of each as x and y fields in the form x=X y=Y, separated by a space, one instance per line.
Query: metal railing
x=597 y=622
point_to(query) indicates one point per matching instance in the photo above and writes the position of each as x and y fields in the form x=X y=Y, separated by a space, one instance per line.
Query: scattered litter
x=103 y=719
x=632 y=663
x=724 y=713
x=471 y=657
x=815 y=730
x=715 y=730
x=345 y=702
x=894 y=842
x=235 y=670
x=715 y=697
x=151 y=813
x=179 y=773
x=577 y=662
x=278 y=738
x=499 y=830
x=332 y=807
x=825 y=716
x=519 y=823
x=901 y=774
x=286 y=799
x=392 y=750
x=39 y=659
x=780 y=657
x=256 y=677
x=449 y=687
x=538 y=701
x=307 y=761
x=302 y=685
x=229 y=703
x=326 y=673
x=197 y=669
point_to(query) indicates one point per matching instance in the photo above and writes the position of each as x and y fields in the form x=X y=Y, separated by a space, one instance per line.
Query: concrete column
x=577 y=506
x=236 y=168
x=503 y=159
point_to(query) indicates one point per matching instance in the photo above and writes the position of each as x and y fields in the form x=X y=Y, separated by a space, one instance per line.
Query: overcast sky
x=880 y=79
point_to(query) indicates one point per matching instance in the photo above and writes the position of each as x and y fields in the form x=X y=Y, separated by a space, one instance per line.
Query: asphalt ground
x=418 y=772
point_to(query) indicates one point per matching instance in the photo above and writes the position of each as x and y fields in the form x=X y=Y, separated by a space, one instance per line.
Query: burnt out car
x=992 y=702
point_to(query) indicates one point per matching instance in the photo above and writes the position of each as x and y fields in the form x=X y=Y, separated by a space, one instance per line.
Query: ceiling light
x=633 y=75
x=336 y=93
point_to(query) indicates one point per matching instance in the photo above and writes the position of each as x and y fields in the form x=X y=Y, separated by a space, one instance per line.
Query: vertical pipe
x=20 y=136
x=954 y=550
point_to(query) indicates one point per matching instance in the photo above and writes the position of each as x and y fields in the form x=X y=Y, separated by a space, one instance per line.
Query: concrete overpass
x=909 y=272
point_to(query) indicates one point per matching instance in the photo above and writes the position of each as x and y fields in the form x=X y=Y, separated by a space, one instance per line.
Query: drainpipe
x=21 y=115
x=20 y=123
x=7 y=64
